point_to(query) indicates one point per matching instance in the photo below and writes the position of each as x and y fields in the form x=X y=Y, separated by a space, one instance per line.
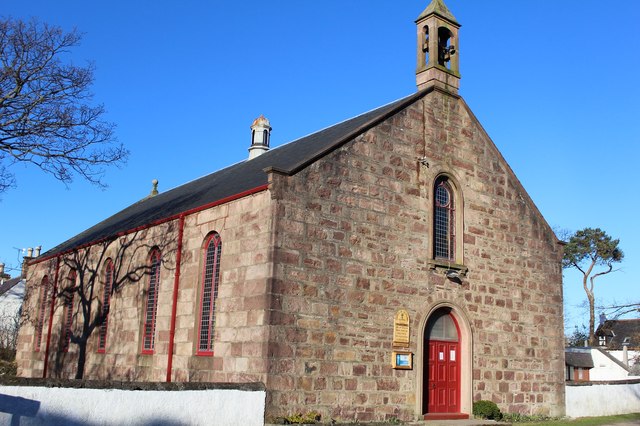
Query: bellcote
x=438 y=48
x=260 y=135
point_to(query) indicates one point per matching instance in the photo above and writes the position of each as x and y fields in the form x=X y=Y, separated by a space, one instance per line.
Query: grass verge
x=588 y=421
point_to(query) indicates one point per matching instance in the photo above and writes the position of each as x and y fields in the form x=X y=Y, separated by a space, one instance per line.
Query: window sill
x=147 y=352
x=207 y=354
x=445 y=266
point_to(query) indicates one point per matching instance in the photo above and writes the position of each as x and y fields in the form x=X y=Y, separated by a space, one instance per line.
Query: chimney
x=3 y=276
x=260 y=136
x=603 y=318
x=38 y=250
x=25 y=262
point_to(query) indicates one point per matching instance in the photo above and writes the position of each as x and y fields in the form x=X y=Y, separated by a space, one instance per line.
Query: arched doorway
x=442 y=364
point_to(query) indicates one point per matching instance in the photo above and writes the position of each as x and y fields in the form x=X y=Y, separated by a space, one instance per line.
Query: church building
x=389 y=266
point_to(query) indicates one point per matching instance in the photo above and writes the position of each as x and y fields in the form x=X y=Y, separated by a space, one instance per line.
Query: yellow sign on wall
x=401 y=329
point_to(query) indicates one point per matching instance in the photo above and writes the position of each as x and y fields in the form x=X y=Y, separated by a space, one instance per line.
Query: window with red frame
x=209 y=293
x=443 y=220
x=68 y=311
x=106 y=303
x=151 y=304
x=44 y=296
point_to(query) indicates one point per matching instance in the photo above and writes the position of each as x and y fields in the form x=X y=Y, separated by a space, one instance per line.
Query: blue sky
x=555 y=84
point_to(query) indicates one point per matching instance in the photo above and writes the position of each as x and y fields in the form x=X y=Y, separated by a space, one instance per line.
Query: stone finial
x=438 y=7
x=154 y=189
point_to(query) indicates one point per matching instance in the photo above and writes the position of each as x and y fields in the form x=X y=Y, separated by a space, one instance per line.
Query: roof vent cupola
x=260 y=136
x=438 y=48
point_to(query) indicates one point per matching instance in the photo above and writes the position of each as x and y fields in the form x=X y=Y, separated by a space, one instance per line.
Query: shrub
x=486 y=410
x=8 y=369
x=311 y=417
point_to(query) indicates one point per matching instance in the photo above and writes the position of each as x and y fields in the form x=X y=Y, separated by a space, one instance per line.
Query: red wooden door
x=443 y=377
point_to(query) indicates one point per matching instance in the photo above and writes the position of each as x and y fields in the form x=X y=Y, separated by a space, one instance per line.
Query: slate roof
x=9 y=284
x=236 y=179
x=578 y=359
x=617 y=331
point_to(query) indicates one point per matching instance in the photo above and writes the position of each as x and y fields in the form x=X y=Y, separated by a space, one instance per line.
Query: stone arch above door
x=465 y=339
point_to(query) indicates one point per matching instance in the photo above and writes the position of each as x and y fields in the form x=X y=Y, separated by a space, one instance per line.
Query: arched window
x=441 y=326
x=444 y=217
x=151 y=303
x=265 y=137
x=209 y=293
x=106 y=303
x=68 y=310
x=44 y=297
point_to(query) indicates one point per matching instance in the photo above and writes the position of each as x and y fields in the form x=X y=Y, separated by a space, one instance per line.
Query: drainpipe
x=53 y=303
x=174 y=308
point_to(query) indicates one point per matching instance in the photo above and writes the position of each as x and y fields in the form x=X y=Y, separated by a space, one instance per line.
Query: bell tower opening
x=438 y=46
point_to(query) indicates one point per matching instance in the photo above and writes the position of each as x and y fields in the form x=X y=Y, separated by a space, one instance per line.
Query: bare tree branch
x=45 y=116
x=129 y=255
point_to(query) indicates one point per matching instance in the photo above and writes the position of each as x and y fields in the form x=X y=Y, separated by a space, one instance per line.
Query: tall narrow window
x=68 y=311
x=151 y=305
x=209 y=295
x=44 y=298
x=106 y=303
x=444 y=221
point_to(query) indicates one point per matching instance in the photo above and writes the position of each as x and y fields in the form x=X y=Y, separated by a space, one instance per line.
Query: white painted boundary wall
x=27 y=405
x=602 y=399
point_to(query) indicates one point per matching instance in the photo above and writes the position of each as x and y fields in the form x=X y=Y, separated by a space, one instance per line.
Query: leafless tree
x=129 y=255
x=619 y=309
x=9 y=328
x=46 y=118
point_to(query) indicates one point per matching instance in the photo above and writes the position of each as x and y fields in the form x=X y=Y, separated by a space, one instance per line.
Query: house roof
x=578 y=359
x=9 y=284
x=236 y=179
x=618 y=330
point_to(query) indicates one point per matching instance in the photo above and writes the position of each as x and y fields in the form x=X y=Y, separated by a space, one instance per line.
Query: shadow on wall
x=18 y=411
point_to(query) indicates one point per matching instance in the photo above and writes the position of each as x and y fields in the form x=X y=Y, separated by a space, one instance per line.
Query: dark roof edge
x=357 y=132
x=614 y=359
x=53 y=254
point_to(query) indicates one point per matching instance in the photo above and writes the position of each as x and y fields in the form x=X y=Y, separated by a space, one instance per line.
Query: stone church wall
x=241 y=334
x=353 y=239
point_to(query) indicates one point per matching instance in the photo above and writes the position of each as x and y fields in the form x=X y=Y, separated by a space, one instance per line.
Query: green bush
x=8 y=369
x=525 y=418
x=486 y=410
x=311 y=417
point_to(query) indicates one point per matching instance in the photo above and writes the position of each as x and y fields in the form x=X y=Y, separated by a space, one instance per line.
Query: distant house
x=621 y=339
x=595 y=365
x=11 y=297
x=578 y=364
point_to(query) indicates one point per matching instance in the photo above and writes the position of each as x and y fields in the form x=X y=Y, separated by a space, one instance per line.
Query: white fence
x=39 y=405
x=602 y=399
